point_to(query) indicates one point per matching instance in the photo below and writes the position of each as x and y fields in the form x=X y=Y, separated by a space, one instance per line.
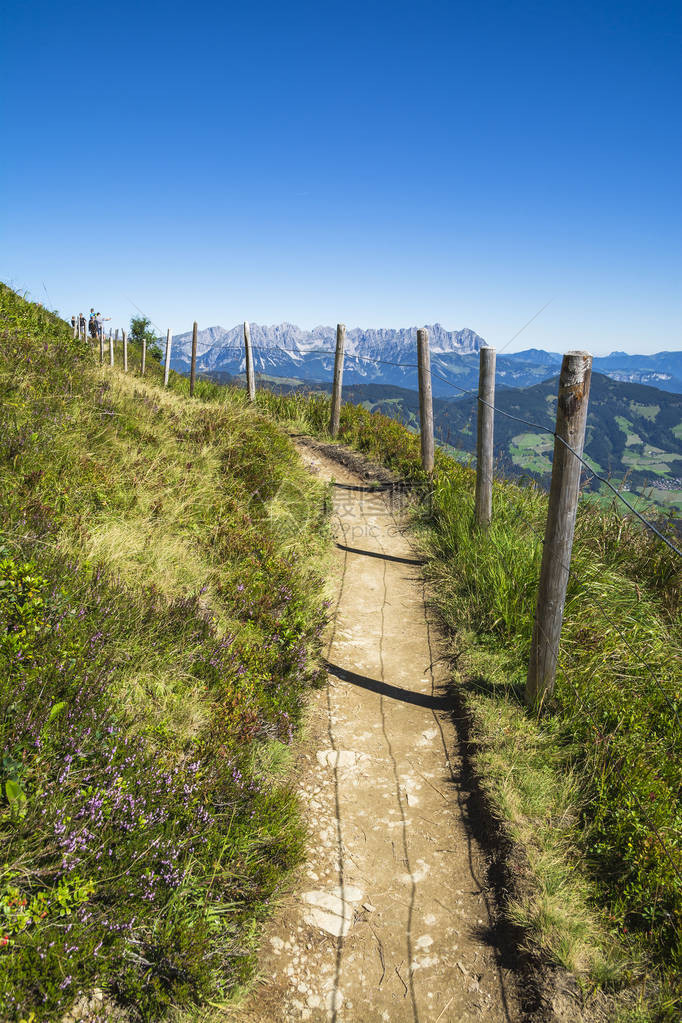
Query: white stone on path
x=340 y=758
x=349 y=893
x=333 y=912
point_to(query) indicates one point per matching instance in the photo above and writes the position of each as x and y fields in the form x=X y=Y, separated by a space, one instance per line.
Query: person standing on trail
x=92 y=324
x=100 y=320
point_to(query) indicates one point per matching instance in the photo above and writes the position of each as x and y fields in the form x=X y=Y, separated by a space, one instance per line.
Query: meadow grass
x=161 y=607
x=590 y=788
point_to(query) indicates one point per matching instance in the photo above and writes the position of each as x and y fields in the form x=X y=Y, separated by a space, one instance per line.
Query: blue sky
x=383 y=164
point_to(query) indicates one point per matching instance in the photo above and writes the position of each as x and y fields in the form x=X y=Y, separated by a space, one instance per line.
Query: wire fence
x=467 y=392
x=202 y=348
x=667 y=694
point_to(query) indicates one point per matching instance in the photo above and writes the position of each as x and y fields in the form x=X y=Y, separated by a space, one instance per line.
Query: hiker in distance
x=100 y=321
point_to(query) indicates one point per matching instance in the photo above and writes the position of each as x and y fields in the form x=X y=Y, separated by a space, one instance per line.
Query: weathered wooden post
x=76 y=328
x=571 y=416
x=100 y=331
x=125 y=351
x=111 y=349
x=425 y=399
x=143 y=360
x=335 y=418
x=484 y=441
x=248 y=362
x=166 y=367
x=193 y=366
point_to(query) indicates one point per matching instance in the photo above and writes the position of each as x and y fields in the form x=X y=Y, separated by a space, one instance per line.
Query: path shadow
x=505 y=864
x=374 y=685
x=381 y=557
x=379 y=488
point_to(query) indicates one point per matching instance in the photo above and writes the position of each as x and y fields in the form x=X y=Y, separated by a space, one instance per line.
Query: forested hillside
x=634 y=432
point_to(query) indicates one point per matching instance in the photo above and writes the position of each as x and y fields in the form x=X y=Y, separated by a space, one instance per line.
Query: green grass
x=647 y=411
x=652 y=459
x=161 y=607
x=531 y=451
x=592 y=787
x=628 y=429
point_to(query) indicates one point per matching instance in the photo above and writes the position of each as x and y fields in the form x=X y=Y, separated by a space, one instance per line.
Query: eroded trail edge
x=391 y=919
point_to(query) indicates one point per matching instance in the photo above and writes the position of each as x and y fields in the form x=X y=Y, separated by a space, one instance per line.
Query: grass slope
x=160 y=612
x=591 y=789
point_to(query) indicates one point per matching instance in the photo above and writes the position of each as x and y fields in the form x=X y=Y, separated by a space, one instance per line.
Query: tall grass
x=592 y=788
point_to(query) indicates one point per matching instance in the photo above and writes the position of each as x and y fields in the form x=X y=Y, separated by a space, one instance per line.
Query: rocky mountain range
x=285 y=351
x=388 y=356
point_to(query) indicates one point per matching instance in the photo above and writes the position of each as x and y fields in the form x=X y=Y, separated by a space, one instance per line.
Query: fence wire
x=522 y=518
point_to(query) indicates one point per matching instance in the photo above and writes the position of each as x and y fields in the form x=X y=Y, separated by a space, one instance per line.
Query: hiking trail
x=389 y=918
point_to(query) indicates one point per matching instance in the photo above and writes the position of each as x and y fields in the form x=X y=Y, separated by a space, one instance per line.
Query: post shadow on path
x=500 y=934
x=502 y=938
x=376 y=554
x=374 y=685
x=496 y=935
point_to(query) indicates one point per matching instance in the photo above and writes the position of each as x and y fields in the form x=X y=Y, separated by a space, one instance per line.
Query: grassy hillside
x=591 y=789
x=160 y=614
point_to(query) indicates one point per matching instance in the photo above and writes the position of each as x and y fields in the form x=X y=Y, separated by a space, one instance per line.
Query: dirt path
x=390 y=918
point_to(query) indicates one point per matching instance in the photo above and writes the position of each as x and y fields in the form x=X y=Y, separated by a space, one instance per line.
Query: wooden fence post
x=425 y=399
x=143 y=361
x=76 y=327
x=193 y=366
x=100 y=331
x=248 y=362
x=335 y=417
x=125 y=351
x=111 y=349
x=166 y=368
x=484 y=440
x=571 y=416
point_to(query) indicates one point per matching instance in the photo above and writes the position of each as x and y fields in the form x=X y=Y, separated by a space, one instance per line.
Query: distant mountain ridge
x=359 y=341
x=662 y=370
x=388 y=356
x=285 y=350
